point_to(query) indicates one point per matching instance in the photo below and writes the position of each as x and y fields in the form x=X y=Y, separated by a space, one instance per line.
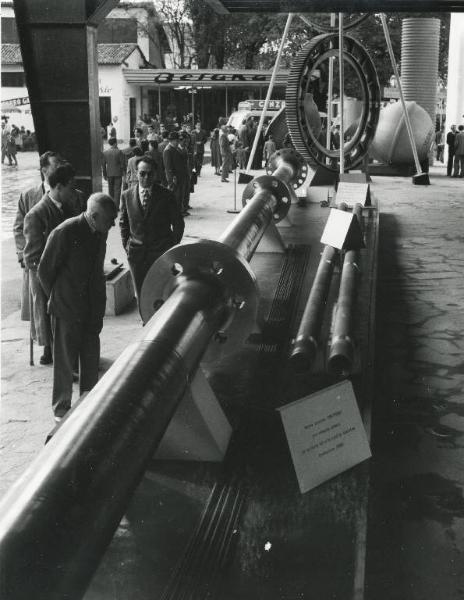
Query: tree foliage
x=251 y=40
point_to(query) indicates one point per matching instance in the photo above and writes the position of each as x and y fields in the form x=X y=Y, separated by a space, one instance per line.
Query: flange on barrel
x=217 y=264
x=287 y=170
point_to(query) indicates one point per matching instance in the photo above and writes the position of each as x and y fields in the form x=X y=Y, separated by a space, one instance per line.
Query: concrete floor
x=416 y=506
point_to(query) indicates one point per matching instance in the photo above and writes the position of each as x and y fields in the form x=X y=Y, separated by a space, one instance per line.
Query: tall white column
x=455 y=84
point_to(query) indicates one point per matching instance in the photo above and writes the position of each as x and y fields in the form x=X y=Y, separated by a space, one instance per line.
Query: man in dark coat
x=54 y=207
x=114 y=168
x=150 y=222
x=199 y=137
x=71 y=274
x=177 y=172
x=450 y=137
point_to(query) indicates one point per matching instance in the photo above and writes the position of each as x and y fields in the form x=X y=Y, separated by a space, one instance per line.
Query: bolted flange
x=295 y=160
x=207 y=259
x=283 y=193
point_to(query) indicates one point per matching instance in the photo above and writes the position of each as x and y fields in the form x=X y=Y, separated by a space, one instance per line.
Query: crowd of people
x=60 y=238
x=14 y=140
x=455 y=143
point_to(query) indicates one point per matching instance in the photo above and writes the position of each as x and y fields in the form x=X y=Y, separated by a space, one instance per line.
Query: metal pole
x=159 y=100
x=341 y=73
x=330 y=96
x=269 y=92
x=400 y=90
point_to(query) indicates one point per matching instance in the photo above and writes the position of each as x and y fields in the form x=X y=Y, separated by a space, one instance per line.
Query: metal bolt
x=217 y=268
x=238 y=303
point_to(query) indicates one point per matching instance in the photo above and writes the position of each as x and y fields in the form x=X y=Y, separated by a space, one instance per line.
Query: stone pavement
x=416 y=523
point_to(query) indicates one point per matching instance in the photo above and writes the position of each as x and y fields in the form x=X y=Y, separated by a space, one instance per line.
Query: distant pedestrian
x=71 y=274
x=450 y=137
x=269 y=149
x=240 y=155
x=177 y=172
x=131 y=171
x=150 y=222
x=215 y=152
x=113 y=166
x=5 y=136
x=11 y=148
x=440 y=143
x=199 y=137
x=459 y=153
x=128 y=153
x=226 y=154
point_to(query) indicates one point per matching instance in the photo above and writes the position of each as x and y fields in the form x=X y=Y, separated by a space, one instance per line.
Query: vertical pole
x=159 y=100
x=193 y=107
x=227 y=103
x=330 y=96
x=341 y=72
x=269 y=92
x=400 y=90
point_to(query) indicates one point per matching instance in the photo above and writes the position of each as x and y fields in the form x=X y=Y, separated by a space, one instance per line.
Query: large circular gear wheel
x=305 y=140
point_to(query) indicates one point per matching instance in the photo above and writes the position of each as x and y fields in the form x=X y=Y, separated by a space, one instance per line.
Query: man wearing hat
x=177 y=172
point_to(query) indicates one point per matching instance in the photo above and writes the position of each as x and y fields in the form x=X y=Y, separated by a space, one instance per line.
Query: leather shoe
x=225 y=180
x=46 y=358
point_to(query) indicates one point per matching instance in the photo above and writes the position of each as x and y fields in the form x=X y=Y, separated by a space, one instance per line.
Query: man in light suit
x=150 y=222
x=71 y=274
x=113 y=165
x=226 y=154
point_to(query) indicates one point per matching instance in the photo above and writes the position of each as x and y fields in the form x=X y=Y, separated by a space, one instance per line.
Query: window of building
x=13 y=79
x=9 y=31
x=117 y=31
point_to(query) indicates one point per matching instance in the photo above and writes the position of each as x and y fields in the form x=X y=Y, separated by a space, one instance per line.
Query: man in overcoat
x=57 y=204
x=177 y=172
x=150 y=222
x=114 y=168
x=72 y=276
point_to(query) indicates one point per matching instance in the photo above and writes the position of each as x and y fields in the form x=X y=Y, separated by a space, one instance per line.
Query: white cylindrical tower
x=455 y=83
x=420 y=39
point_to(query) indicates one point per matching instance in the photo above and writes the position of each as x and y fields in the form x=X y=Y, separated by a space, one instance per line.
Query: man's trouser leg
x=449 y=167
x=456 y=166
x=66 y=337
x=89 y=354
x=39 y=314
x=111 y=186
x=117 y=184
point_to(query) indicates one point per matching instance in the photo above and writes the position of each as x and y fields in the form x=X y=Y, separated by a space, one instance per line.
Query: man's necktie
x=145 y=199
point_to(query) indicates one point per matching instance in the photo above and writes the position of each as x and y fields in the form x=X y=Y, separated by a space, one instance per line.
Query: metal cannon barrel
x=341 y=351
x=58 y=518
x=304 y=347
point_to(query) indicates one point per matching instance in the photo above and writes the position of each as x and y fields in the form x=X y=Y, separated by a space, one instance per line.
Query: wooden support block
x=119 y=292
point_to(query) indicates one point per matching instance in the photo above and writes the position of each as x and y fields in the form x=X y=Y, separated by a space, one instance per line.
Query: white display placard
x=353 y=193
x=325 y=434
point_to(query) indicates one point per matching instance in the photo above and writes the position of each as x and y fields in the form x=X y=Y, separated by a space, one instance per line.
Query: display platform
x=242 y=529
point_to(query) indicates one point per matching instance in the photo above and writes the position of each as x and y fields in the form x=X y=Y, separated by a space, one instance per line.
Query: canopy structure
x=285 y=6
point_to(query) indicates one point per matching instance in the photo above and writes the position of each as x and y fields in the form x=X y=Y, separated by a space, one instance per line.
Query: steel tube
x=304 y=347
x=58 y=518
x=246 y=230
x=341 y=352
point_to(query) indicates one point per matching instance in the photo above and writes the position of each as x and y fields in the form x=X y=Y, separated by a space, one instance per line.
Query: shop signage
x=259 y=104
x=16 y=101
x=169 y=77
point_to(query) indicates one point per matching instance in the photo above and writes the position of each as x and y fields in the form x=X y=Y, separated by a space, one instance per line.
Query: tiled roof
x=11 y=54
x=114 y=54
x=108 y=54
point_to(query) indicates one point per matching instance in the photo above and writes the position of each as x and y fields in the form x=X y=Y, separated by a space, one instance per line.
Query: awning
x=171 y=78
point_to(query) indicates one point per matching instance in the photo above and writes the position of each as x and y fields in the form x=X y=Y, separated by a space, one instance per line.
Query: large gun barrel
x=58 y=518
x=341 y=352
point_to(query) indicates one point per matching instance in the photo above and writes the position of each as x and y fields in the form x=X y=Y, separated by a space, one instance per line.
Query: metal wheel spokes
x=306 y=99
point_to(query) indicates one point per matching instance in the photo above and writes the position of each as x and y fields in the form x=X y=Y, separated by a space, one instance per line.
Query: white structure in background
x=455 y=95
x=131 y=37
